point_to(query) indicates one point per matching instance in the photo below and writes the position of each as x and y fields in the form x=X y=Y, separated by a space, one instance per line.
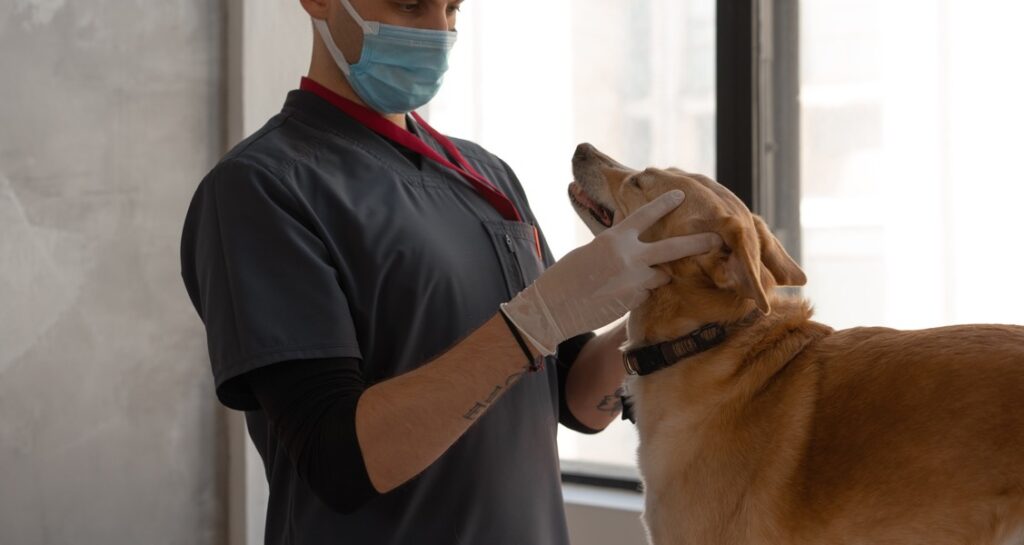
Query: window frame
x=757 y=138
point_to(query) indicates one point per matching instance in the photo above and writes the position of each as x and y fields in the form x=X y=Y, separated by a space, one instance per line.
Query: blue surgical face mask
x=400 y=68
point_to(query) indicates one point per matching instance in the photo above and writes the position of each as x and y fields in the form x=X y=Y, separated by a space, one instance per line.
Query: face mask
x=400 y=68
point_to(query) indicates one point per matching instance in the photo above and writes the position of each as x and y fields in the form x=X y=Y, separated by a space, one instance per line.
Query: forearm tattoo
x=612 y=403
x=478 y=408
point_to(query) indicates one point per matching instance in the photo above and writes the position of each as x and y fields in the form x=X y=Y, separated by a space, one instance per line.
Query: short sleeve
x=260 y=278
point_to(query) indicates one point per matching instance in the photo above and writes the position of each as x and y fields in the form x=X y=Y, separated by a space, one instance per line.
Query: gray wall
x=110 y=113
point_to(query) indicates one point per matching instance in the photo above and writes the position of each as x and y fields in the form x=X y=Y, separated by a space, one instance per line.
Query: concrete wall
x=110 y=112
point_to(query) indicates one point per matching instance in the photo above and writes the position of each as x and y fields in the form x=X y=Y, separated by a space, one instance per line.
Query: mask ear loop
x=332 y=48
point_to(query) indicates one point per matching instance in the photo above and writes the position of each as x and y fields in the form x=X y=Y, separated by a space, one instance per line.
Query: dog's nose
x=583 y=152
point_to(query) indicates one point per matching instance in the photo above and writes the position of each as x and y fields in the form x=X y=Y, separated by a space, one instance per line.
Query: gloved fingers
x=670 y=249
x=657 y=279
x=648 y=214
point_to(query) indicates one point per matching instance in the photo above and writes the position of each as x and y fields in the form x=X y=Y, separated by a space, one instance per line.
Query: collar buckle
x=630 y=363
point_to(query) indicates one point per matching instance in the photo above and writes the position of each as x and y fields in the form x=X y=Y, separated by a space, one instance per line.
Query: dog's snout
x=587 y=156
x=584 y=151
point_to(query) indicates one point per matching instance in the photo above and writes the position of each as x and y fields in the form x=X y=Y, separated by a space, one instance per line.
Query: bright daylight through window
x=911 y=187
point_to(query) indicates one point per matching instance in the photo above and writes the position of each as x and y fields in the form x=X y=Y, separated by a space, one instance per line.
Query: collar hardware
x=648 y=359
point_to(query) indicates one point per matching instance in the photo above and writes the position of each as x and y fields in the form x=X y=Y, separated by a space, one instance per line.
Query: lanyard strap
x=373 y=121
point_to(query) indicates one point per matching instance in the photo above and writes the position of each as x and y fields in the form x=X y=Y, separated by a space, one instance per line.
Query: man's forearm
x=405 y=423
x=595 y=380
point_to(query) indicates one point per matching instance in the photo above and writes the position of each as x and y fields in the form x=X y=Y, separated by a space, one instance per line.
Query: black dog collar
x=648 y=359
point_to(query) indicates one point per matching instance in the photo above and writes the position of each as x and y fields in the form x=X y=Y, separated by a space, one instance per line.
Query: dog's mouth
x=599 y=212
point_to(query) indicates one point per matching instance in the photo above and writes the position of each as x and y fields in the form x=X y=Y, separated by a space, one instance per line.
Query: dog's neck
x=672 y=312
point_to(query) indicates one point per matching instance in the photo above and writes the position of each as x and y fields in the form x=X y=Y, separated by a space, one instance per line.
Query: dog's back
x=916 y=433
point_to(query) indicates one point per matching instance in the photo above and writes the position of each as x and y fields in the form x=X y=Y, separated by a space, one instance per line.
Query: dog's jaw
x=594 y=214
x=589 y=192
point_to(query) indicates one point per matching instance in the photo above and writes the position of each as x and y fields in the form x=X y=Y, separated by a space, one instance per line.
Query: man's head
x=409 y=42
x=423 y=14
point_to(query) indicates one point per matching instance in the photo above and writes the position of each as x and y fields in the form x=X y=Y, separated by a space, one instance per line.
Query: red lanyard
x=376 y=123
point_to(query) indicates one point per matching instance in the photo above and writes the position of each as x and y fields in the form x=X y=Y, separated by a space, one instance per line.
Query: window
x=911 y=187
x=636 y=79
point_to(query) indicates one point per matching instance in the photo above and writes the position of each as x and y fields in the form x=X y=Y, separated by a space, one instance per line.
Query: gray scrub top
x=315 y=237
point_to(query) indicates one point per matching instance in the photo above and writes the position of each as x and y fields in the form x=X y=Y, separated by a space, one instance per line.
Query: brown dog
x=790 y=432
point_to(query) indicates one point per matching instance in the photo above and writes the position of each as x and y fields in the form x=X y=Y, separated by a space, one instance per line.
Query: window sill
x=603 y=497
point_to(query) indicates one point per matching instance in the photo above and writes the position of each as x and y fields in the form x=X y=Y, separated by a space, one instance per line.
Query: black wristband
x=534 y=364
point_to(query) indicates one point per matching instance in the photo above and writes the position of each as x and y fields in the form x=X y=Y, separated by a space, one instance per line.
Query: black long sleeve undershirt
x=311 y=404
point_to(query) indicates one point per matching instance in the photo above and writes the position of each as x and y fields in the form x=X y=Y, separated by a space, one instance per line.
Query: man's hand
x=599 y=282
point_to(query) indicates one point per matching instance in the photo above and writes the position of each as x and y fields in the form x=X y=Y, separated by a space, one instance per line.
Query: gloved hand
x=602 y=280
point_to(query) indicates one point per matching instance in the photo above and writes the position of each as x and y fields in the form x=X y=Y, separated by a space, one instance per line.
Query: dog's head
x=748 y=264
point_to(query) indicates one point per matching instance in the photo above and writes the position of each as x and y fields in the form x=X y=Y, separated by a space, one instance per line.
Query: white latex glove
x=602 y=280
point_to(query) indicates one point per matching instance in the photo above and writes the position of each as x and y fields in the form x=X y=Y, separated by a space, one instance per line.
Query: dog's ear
x=785 y=271
x=739 y=269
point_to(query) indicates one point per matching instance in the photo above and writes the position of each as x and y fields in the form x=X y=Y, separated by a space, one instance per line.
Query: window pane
x=636 y=79
x=911 y=186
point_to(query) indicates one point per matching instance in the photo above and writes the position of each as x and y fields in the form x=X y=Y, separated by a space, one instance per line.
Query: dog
x=782 y=430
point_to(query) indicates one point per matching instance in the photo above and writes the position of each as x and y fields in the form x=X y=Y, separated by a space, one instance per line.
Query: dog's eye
x=726 y=250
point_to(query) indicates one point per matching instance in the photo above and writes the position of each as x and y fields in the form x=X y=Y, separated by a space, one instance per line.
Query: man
x=349 y=263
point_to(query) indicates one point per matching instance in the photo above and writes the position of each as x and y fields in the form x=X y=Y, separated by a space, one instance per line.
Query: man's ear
x=316 y=9
x=740 y=270
x=785 y=271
